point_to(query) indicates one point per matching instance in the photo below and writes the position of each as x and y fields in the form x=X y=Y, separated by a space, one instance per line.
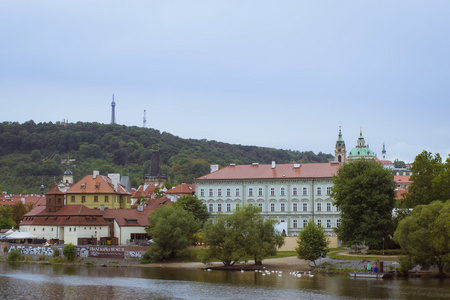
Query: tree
x=399 y=164
x=243 y=233
x=425 y=234
x=69 y=251
x=427 y=180
x=6 y=221
x=312 y=242
x=195 y=206
x=171 y=228
x=364 y=192
x=18 y=211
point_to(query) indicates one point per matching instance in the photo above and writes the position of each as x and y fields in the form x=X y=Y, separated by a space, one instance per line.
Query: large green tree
x=172 y=229
x=195 y=206
x=364 y=192
x=425 y=234
x=244 y=233
x=430 y=180
x=6 y=221
x=312 y=242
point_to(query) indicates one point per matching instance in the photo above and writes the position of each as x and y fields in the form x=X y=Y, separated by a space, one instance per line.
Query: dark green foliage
x=195 y=206
x=14 y=255
x=55 y=252
x=69 y=252
x=172 y=229
x=312 y=242
x=425 y=234
x=6 y=221
x=364 y=192
x=31 y=154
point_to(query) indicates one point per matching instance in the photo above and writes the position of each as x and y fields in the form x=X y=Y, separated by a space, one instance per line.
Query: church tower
x=383 y=153
x=339 y=151
x=113 y=111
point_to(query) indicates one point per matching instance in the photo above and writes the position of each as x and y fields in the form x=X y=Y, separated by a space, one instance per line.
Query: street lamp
x=383 y=245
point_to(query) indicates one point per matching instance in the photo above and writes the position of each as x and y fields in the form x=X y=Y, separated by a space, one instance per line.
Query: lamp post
x=383 y=245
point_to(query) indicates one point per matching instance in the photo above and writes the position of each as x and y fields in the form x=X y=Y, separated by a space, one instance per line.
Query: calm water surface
x=31 y=281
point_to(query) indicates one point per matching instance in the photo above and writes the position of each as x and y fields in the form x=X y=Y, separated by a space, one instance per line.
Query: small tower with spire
x=339 y=151
x=113 y=111
x=383 y=153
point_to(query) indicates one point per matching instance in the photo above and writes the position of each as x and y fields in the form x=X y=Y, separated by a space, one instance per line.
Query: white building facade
x=291 y=193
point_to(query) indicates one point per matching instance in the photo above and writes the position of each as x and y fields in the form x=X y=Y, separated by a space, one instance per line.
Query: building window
x=210 y=208
x=328 y=190
x=294 y=192
x=70 y=229
x=319 y=223
x=202 y=193
x=337 y=208
x=282 y=191
x=228 y=192
x=95 y=198
x=295 y=223
x=305 y=206
x=219 y=192
x=83 y=199
x=72 y=198
x=319 y=206
x=59 y=200
x=106 y=199
x=260 y=192
x=283 y=207
x=294 y=207
x=305 y=191
x=272 y=206
x=228 y=207
x=305 y=222
x=219 y=207
x=52 y=228
x=338 y=223
x=237 y=192
x=211 y=192
x=237 y=206
x=328 y=223
x=250 y=192
x=43 y=229
x=328 y=206
x=260 y=206
x=319 y=191
x=74 y=229
x=272 y=191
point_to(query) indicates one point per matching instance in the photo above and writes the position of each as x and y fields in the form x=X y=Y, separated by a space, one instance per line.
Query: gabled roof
x=98 y=185
x=281 y=171
x=54 y=190
x=68 y=215
x=145 y=191
x=182 y=189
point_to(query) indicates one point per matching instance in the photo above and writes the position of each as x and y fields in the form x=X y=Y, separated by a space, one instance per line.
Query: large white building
x=291 y=193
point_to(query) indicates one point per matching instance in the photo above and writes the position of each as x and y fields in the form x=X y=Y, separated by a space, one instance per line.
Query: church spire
x=339 y=151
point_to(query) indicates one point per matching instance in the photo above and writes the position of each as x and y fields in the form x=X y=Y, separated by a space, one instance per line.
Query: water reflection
x=33 y=281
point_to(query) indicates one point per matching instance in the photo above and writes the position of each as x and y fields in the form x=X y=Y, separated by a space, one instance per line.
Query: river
x=37 y=281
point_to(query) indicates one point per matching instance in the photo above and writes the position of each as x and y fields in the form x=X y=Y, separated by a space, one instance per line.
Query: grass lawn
x=337 y=254
x=196 y=253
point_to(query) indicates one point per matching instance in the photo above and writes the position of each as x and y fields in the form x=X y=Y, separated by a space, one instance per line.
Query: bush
x=69 y=251
x=42 y=257
x=406 y=264
x=147 y=257
x=14 y=255
x=55 y=252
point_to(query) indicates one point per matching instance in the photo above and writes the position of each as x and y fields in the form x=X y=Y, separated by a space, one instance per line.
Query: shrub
x=69 y=251
x=147 y=257
x=406 y=264
x=14 y=255
x=55 y=252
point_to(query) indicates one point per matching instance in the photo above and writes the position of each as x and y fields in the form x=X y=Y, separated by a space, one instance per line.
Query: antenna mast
x=145 y=120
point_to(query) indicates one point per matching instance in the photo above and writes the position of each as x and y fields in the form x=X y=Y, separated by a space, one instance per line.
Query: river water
x=36 y=281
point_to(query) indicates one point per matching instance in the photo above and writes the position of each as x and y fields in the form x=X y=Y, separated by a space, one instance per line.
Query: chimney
x=140 y=208
x=115 y=179
x=214 y=168
x=95 y=174
x=102 y=208
x=273 y=164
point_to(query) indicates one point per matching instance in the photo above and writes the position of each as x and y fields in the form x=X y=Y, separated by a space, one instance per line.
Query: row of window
x=273 y=207
x=70 y=229
x=105 y=199
x=329 y=223
x=261 y=193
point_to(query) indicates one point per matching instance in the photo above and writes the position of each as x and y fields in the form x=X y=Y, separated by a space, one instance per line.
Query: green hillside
x=32 y=154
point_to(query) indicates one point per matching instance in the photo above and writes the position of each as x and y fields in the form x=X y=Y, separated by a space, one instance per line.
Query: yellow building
x=99 y=192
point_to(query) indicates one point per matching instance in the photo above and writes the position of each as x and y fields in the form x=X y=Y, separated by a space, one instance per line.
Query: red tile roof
x=145 y=191
x=281 y=171
x=402 y=178
x=99 y=185
x=68 y=215
x=182 y=189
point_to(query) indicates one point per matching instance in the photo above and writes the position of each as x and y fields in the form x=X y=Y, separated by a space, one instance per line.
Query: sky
x=279 y=74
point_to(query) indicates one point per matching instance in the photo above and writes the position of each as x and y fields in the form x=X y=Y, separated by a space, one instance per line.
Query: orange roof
x=54 y=190
x=386 y=162
x=145 y=191
x=281 y=171
x=182 y=189
x=400 y=193
x=99 y=185
x=402 y=178
x=68 y=215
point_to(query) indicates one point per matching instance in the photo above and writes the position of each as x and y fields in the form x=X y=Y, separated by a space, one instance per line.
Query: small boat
x=371 y=275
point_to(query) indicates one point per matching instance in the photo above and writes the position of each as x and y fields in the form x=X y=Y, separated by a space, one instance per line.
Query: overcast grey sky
x=282 y=74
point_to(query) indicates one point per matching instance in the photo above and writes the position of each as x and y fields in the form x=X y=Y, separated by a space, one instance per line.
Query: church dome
x=361 y=150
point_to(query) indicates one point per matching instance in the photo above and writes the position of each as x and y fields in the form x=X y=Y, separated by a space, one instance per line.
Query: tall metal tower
x=113 y=111
x=145 y=120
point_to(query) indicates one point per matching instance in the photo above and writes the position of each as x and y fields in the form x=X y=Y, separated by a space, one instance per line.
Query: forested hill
x=32 y=154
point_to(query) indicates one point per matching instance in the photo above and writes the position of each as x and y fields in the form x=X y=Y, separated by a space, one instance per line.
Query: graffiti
x=32 y=250
x=107 y=252
x=133 y=254
x=82 y=251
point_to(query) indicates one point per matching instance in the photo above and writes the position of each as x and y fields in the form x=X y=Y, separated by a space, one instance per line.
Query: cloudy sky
x=282 y=74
